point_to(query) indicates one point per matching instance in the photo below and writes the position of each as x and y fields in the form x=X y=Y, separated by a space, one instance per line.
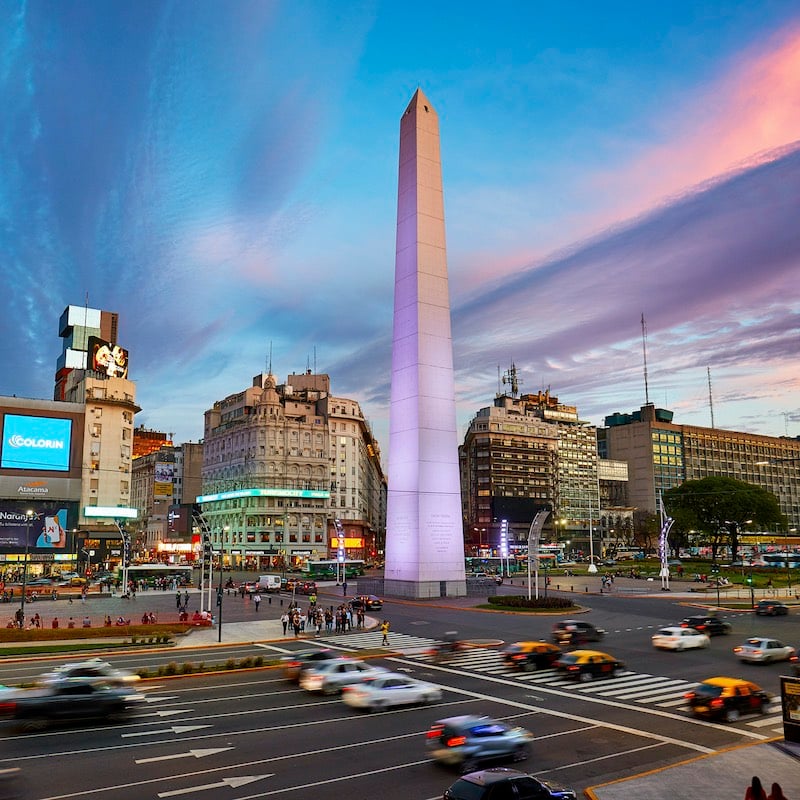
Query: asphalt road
x=251 y=734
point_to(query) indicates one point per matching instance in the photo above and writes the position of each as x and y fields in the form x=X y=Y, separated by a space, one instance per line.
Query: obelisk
x=424 y=538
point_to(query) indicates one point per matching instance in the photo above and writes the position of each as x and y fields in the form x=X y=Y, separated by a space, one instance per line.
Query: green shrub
x=230 y=663
x=171 y=668
x=187 y=668
x=540 y=604
x=246 y=663
x=258 y=661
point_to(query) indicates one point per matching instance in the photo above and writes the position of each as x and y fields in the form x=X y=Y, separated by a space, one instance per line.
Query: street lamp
x=225 y=529
x=480 y=532
x=30 y=515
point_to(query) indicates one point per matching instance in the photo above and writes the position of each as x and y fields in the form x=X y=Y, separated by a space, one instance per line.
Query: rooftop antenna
x=499 y=391
x=511 y=378
x=644 y=353
x=710 y=397
x=269 y=366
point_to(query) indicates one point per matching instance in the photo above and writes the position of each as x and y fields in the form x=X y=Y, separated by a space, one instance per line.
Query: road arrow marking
x=190 y=754
x=148 y=698
x=173 y=729
x=231 y=783
x=172 y=712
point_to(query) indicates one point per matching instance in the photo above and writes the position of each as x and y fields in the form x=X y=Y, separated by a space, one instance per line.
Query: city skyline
x=226 y=182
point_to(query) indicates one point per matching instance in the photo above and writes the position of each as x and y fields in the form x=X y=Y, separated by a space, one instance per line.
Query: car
x=501 y=782
x=678 y=638
x=248 y=587
x=467 y=740
x=571 y=631
x=306 y=587
x=585 y=665
x=92 y=669
x=727 y=698
x=710 y=625
x=390 y=689
x=74 y=581
x=330 y=677
x=762 y=651
x=795 y=662
x=289 y=584
x=529 y=656
x=295 y=664
x=771 y=608
x=38 y=582
x=367 y=602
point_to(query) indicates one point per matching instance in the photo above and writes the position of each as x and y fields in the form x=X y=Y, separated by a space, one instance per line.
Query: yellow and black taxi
x=529 y=656
x=585 y=665
x=727 y=699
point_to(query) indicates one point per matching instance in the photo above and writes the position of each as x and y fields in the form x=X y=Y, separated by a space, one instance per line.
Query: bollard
x=586 y=589
x=270 y=599
x=572 y=588
x=281 y=601
x=558 y=587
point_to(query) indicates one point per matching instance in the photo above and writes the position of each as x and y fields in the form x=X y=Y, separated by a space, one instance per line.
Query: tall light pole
x=30 y=515
x=225 y=528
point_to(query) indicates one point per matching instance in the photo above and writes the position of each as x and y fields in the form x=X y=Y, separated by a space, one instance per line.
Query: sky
x=223 y=174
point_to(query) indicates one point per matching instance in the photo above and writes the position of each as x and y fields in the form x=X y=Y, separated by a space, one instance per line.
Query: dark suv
x=501 y=783
x=571 y=631
x=771 y=608
x=712 y=626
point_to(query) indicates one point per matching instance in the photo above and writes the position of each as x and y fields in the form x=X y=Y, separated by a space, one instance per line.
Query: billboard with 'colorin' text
x=36 y=443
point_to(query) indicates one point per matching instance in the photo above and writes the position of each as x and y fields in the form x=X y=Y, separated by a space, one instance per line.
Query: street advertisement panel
x=164 y=473
x=108 y=358
x=45 y=531
x=36 y=443
x=790 y=708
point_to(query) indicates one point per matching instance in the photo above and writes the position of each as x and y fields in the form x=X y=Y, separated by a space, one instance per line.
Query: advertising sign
x=36 y=443
x=46 y=531
x=790 y=707
x=108 y=358
x=164 y=472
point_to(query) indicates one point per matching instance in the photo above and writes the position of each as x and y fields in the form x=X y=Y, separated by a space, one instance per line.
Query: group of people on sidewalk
x=316 y=618
x=755 y=791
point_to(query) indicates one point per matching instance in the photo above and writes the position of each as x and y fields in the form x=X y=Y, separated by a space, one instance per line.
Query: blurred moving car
x=585 y=665
x=91 y=669
x=529 y=656
x=306 y=587
x=69 y=701
x=677 y=638
x=366 y=601
x=295 y=664
x=467 y=740
x=330 y=677
x=727 y=698
x=711 y=625
x=761 y=651
x=390 y=689
x=571 y=631
x=501 y=782
x=771 y=608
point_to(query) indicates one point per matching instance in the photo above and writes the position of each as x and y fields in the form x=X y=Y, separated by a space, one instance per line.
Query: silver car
x=762 y=651
x=468 y=740
x=390 y=689
x=330 y=677
x=92 y=669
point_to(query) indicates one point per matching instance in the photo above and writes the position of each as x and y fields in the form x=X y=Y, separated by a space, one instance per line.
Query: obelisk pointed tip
x=419 y=100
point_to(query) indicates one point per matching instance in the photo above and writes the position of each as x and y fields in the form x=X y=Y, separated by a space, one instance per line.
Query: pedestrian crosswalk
x=636 y=688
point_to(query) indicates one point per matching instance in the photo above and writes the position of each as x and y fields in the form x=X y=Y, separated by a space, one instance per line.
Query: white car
x=762 y=651
x=91 y=670
x=390 y=689
x=329 y=677
x=677 y=638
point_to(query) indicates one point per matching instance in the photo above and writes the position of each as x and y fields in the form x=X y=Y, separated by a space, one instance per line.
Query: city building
x=531 y=452
x=283 y=463
x=165 y=485
x=67 y=461
x=662 y=454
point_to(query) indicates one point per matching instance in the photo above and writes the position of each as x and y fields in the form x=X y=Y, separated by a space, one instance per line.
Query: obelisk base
x=424 y=590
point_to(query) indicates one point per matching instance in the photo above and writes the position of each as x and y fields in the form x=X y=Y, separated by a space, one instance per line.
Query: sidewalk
x=724 y=775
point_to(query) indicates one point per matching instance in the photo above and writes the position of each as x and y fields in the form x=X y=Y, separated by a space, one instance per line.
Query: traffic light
x=207 y=553
x=749 y=580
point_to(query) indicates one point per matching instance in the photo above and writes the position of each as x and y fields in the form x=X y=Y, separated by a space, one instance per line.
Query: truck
x=269 y=583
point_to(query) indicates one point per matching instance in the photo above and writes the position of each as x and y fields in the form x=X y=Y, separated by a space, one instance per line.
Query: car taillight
x=434 y=733
x=7 y=708
x=738 y=649
x=456 y=741
x=293 y=664
x=689 y=695
x=717 y=703
x=573 y=668
x=518 y=657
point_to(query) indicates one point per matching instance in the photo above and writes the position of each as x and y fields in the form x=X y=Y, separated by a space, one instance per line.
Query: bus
x=785 y=560
x=329 y=569
x=157 y=575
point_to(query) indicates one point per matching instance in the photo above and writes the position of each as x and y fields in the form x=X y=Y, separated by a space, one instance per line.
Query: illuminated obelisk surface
x=424 y=539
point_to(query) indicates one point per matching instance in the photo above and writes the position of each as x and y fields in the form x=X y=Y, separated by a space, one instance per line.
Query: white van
x=269 y=583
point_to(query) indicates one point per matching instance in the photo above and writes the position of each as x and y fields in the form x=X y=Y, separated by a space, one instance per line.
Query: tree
x=645 y=530
x=721 y=507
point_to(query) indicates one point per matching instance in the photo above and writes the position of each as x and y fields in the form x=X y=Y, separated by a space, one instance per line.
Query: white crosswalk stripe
x=368 y=640
x=636 y=687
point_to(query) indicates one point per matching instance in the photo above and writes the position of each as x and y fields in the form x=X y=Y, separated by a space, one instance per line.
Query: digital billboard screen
x=108 y=358
x=44 y=530
x=36 y=443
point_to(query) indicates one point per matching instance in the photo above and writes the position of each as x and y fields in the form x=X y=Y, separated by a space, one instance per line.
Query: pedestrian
x=54 y=623
x=344 y=588
x=776 y=793
x=385 y=632
x=257 y=600
x=70 y=623
x=178 y=603
x=285 y=622
x=186 y=599
x=755 y=791
x=87 y=622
